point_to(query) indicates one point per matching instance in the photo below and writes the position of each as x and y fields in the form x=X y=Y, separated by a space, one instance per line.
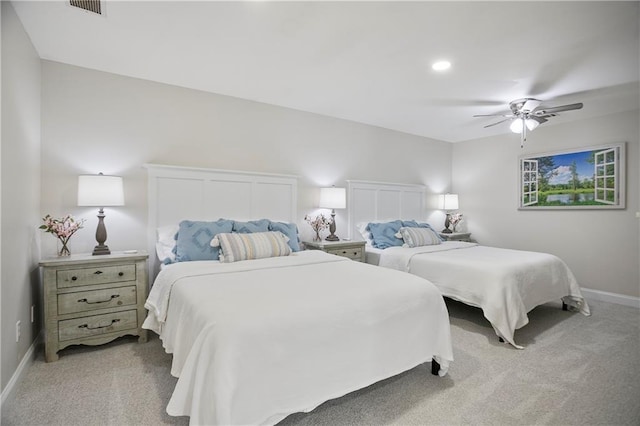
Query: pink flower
x=318 y=223
x=62 y=228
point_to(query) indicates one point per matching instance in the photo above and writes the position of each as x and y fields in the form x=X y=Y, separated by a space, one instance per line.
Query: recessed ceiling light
x=441 y=65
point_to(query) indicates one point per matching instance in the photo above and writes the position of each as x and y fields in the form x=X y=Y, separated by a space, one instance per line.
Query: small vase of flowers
x=455 y=219
x=63 y=228
x=318 y=224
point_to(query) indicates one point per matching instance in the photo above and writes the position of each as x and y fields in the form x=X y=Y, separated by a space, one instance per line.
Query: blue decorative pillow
x=288 y=229
x=194 y=239
x=384 y=234
x=251 y=226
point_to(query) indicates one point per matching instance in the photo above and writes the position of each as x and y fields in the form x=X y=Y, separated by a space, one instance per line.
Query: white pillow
x=418 y=237
x=362 y=229
x=166 y=242
x=257 y=245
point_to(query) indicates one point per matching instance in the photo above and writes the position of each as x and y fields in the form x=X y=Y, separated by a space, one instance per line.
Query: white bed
x=506 y=284
x=256 y=340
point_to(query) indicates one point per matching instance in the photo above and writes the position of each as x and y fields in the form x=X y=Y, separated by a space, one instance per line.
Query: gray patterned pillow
x=418 y=237
x=257 y=245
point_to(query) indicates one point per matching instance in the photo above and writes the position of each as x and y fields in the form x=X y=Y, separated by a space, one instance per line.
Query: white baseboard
x=26 y=361
x=605 y=296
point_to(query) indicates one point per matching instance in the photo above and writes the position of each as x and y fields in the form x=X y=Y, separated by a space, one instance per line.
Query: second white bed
x=506 y=284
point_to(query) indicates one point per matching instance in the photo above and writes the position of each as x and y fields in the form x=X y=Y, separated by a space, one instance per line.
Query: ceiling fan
x=527 y=114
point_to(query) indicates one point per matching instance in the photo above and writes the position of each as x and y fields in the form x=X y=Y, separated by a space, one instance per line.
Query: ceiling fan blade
x=455 y=102
x=495 y=115
x=553 y=110
x=530 y=105
x=495 y=124
x=540 y=120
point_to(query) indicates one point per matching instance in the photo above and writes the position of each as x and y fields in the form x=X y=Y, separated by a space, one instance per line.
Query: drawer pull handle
x=74 y=278
x=113 y=296
x=113 y=321
x=120 y=274
x=97 y=272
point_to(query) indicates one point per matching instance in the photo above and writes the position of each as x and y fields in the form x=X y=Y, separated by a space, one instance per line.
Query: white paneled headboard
x=176 y=193
x=371 y=201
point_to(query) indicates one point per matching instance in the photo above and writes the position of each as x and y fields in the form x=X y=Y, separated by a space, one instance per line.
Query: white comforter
x=255 y=341
x=506 y=284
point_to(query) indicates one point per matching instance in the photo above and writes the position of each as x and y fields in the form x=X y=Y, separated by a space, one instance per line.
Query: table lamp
x=448 y=202
x=333 y=198
x=100 y=191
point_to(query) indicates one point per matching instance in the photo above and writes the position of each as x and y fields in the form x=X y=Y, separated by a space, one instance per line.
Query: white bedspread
x=506 y=284
x=255 y=341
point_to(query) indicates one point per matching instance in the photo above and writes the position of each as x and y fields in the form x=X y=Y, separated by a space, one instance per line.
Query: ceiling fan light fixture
x=526 y=115
x=516 y=125
x=531 y=124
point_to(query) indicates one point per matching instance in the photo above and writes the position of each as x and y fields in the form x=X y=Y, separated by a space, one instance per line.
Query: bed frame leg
x=500 y=339
x=564 y=306
x=435 y=367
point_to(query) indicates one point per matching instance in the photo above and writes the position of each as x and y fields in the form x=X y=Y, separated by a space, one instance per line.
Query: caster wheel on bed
x=435 y=367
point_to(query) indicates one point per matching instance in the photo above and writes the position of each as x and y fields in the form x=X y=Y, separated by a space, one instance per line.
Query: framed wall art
x=589 y=178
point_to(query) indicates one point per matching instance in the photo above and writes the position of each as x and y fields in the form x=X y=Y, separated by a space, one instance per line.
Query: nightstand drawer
x=457 y=236
x=96 y=299
x=351 y=253
x=98 y=324
x=353 y=250
x=100 y=275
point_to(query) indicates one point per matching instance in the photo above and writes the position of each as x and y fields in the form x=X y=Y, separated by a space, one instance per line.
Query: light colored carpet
x=575 y=370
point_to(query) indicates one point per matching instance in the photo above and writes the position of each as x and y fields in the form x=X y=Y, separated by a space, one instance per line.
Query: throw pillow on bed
x=288 y=229
x=383 y=234
x=258 y=245
x=418 y=237
x=414 y=224
x=194 y=238
x=166 y=243
x=251 y=226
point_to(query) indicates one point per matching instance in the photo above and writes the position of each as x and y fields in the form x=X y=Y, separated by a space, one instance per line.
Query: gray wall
x=99 y=122
x=20 y=177
x=600 y=246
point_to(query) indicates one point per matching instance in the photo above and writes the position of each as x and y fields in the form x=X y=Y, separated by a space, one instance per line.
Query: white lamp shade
x=516 y=125
x=333 y=198
x=449 y=202
x=100 y=191
x=531 y=124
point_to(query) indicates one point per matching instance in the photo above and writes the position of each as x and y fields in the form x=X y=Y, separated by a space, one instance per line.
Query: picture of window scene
x=587 y=179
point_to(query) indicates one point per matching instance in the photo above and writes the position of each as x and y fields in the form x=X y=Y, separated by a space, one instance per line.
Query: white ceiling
x=368 y=62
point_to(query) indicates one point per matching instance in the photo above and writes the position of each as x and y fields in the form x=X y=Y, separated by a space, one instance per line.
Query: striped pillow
x=258 y=245
x=417 y=237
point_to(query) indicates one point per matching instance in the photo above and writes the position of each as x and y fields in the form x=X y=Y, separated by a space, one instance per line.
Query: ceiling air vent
x=94 y=6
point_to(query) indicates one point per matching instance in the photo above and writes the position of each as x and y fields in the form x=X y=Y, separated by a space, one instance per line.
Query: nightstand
x=457 y=236
x=354 y=250
x=91 y=300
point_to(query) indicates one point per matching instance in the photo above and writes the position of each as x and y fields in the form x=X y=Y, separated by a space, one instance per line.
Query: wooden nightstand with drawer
x=354 y=250
x=91 y=300
x=457 y=236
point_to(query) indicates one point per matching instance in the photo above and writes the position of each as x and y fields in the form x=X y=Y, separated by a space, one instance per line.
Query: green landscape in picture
x=580 y=178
